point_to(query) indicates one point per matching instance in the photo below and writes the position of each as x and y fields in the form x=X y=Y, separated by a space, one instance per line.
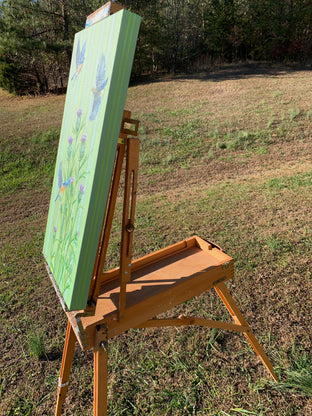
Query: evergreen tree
x=36 y=36
x=36 y=39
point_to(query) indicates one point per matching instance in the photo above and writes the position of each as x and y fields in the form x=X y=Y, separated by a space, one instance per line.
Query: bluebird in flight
x=80 y=56
x=62 y=185
x=100 y=83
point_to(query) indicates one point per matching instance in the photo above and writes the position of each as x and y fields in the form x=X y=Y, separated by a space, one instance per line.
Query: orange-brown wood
x=238 y=317
x=164 y=253
x=108 y=222
x=131 y=180
x=131 y=126
x=109 y=212
x=115 y=7
x=67 y=359
x=100 y=372
x=171 y=255
x=164 y=282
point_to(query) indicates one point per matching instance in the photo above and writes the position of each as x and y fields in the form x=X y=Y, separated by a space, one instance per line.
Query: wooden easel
x=132 y=295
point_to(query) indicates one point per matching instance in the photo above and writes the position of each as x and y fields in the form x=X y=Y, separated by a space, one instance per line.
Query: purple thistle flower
x=70 y=139
x=71 y=179
x=54 y=229
x=83 y=138
x=79 y=112
x=82 y=189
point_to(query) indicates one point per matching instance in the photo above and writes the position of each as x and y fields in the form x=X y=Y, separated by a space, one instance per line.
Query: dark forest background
x=36 y=36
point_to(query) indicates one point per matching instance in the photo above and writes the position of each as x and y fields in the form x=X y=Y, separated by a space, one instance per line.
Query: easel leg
x=67 y=360
x=100 y=373
x=238 y=317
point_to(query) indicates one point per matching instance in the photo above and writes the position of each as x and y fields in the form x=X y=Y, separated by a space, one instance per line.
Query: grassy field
x=226 y=156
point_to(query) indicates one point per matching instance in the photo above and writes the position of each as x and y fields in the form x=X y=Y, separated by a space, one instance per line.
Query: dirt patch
x=280 y=161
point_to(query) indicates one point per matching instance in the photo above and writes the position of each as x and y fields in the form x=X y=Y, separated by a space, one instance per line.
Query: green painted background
x=95 y=99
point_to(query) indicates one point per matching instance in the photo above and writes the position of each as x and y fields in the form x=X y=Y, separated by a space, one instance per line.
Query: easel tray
x=167 y=277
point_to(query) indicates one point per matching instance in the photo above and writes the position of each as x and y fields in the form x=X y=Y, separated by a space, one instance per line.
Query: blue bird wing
x=96 y=105
x=82 y=54
x=103 y=84
x=100 y=82
x=67 y=182
x=101 y=79
x=78 y=54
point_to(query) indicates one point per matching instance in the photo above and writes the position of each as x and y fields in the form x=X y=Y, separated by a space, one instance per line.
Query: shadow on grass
x=227 y=72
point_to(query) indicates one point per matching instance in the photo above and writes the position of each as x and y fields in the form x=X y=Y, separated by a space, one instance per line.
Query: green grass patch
x=293 y=182
x=296 y=375
x=36 y=343
x=293 y=113
x=27 y=163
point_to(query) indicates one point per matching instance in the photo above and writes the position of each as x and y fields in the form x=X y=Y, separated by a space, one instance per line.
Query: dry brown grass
x=250 y=193
x=25 y=116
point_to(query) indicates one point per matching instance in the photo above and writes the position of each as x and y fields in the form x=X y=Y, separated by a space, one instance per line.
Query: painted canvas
x=95 y=99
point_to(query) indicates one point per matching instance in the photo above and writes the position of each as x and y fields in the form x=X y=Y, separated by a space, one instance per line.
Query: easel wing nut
x=130 y=227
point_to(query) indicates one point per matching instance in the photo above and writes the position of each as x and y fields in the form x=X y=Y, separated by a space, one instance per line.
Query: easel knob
x=130 y=227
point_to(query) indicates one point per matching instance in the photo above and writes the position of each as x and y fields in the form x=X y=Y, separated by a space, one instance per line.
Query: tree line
x=36 y=36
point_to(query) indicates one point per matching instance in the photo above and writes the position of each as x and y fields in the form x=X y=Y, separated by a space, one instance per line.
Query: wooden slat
x=154 y=257
x=68 y=354
x=131 y=181
x=100 y=373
